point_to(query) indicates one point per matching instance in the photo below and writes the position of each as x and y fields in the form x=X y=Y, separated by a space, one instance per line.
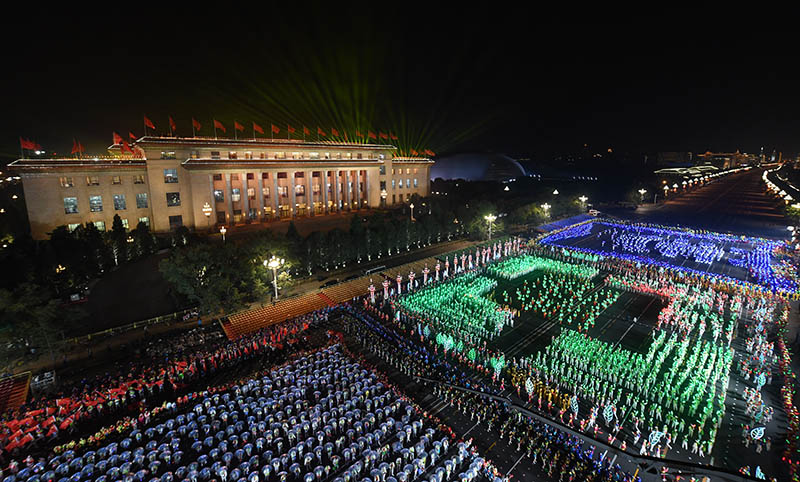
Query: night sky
x=436 y=82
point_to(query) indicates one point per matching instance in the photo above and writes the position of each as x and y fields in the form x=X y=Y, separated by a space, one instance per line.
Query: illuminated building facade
x=202 y=183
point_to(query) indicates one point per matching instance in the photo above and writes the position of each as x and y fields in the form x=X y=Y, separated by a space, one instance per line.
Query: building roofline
x=258 y=142
x=285 y=163
x=72 y=163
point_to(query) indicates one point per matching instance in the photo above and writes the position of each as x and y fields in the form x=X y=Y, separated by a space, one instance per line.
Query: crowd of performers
x=170 y=363
x=560 y=456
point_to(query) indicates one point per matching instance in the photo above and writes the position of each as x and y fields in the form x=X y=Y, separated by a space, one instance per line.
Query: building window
x=219 y=195
x=173 y=199
x=315 y=188
x=264 y=175
x=248 y=155
x=125 y=223
x=100 y=225
x=65 y=181
x=283 y=191
x=221 y=217
x=347 y=155
x=250 y=176
x=359 y=155
x=119 y=202
x=327 y=155
x=234 y=177
x=175 y=222
x=299 y=190
x=408 y=170
x=381 y=156
x=167 y=154
x=73 y=226
x=92 y=181
x=392 y=171
x=408 y=183
x=217 y=177
x=170 y=176
x=232 y=155
x=95 y=204
x=214 y=154
x=251 y=192
x=416 y=181
x=383 y=185
x=415 y=170
x=138 y=179
x=195 y=154
x=236 y=194
x=71 y=205
x=145 y=220
x=337 y=155
x=296 y=155
x=399 y=184
x=265 y=191
x=313 y=155
x=280 y=155
x=141 y=200
x=281 y=175
x=262 y=155
x=393 y=184
x=382 y=170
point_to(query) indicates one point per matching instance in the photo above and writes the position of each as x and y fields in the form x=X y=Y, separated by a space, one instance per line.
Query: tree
x=28 y=321
x=119 y=240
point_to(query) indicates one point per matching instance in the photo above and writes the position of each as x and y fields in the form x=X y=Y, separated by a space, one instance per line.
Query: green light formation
x=498 y=363
x=472 y=354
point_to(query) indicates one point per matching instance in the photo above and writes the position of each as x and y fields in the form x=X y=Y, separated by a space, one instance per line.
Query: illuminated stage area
x=735 y=259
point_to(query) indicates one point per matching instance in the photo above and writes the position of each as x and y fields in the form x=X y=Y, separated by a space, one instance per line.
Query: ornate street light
x=223 y=230
x=642 y=192
x=274 y=263
x=546 y=208
x=412 y=211
x=490 y=218
x=207 y=212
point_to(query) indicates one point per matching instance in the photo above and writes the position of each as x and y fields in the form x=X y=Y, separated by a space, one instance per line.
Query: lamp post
x=207 y=212
x=384 y=195
x=642 y=192
x=223 y=230
x=274 y=263
x=490 y=218
x=583 y=200
x=666 y=190
x=412 y=211
x=546 y=208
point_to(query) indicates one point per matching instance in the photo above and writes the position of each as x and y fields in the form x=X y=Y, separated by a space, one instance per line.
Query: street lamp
x=642 y=192
x=274 y=263
x=546 y=208
x=583 y=200
x=384 y=195
x=412 y=211
x=207 y=212
x=490 y=220
x=223 y=230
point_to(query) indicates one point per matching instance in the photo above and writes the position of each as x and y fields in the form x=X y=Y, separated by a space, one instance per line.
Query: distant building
x=674 y=159
x=727 y=160
x=202 y=183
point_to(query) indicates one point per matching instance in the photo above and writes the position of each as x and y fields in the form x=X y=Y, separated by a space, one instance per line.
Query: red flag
x=74 y=147
x=429 y=152
x=258 y=128
x=218 y=125
x=171 y=124
x=306 y=131
x=359 y=134
x=52 y=430
x=238 y=126
x=196 y=124
x=275 y=129
x=131 y=135
x=383 y=135
x=334 y=132
x=371 y=135
x=149 y=123
x=320 y=131
x=392 y=136
x=414 y=152
x=290 y=129
x=27 y=144
x=124 y=147
x=117 y=139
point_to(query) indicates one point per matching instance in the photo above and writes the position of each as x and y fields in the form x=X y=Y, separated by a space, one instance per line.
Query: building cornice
x=39 y=165
x=195 y=164
x=210 y=142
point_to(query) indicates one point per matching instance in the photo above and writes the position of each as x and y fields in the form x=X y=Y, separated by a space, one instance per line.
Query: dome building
x=477 y=166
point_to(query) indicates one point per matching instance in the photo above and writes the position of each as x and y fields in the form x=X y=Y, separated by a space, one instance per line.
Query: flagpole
x=288 y=134
x=254 y=132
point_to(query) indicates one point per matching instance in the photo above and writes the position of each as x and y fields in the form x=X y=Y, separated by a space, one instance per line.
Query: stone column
x=346 y=188
x=245 y=197
x=324 y=188
x=292 y=198
x=336 y=194
x=366 y=188
x=275 y=195
x=310 y=192
x=229 y=214
x=260 y=194
x=213 y=202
